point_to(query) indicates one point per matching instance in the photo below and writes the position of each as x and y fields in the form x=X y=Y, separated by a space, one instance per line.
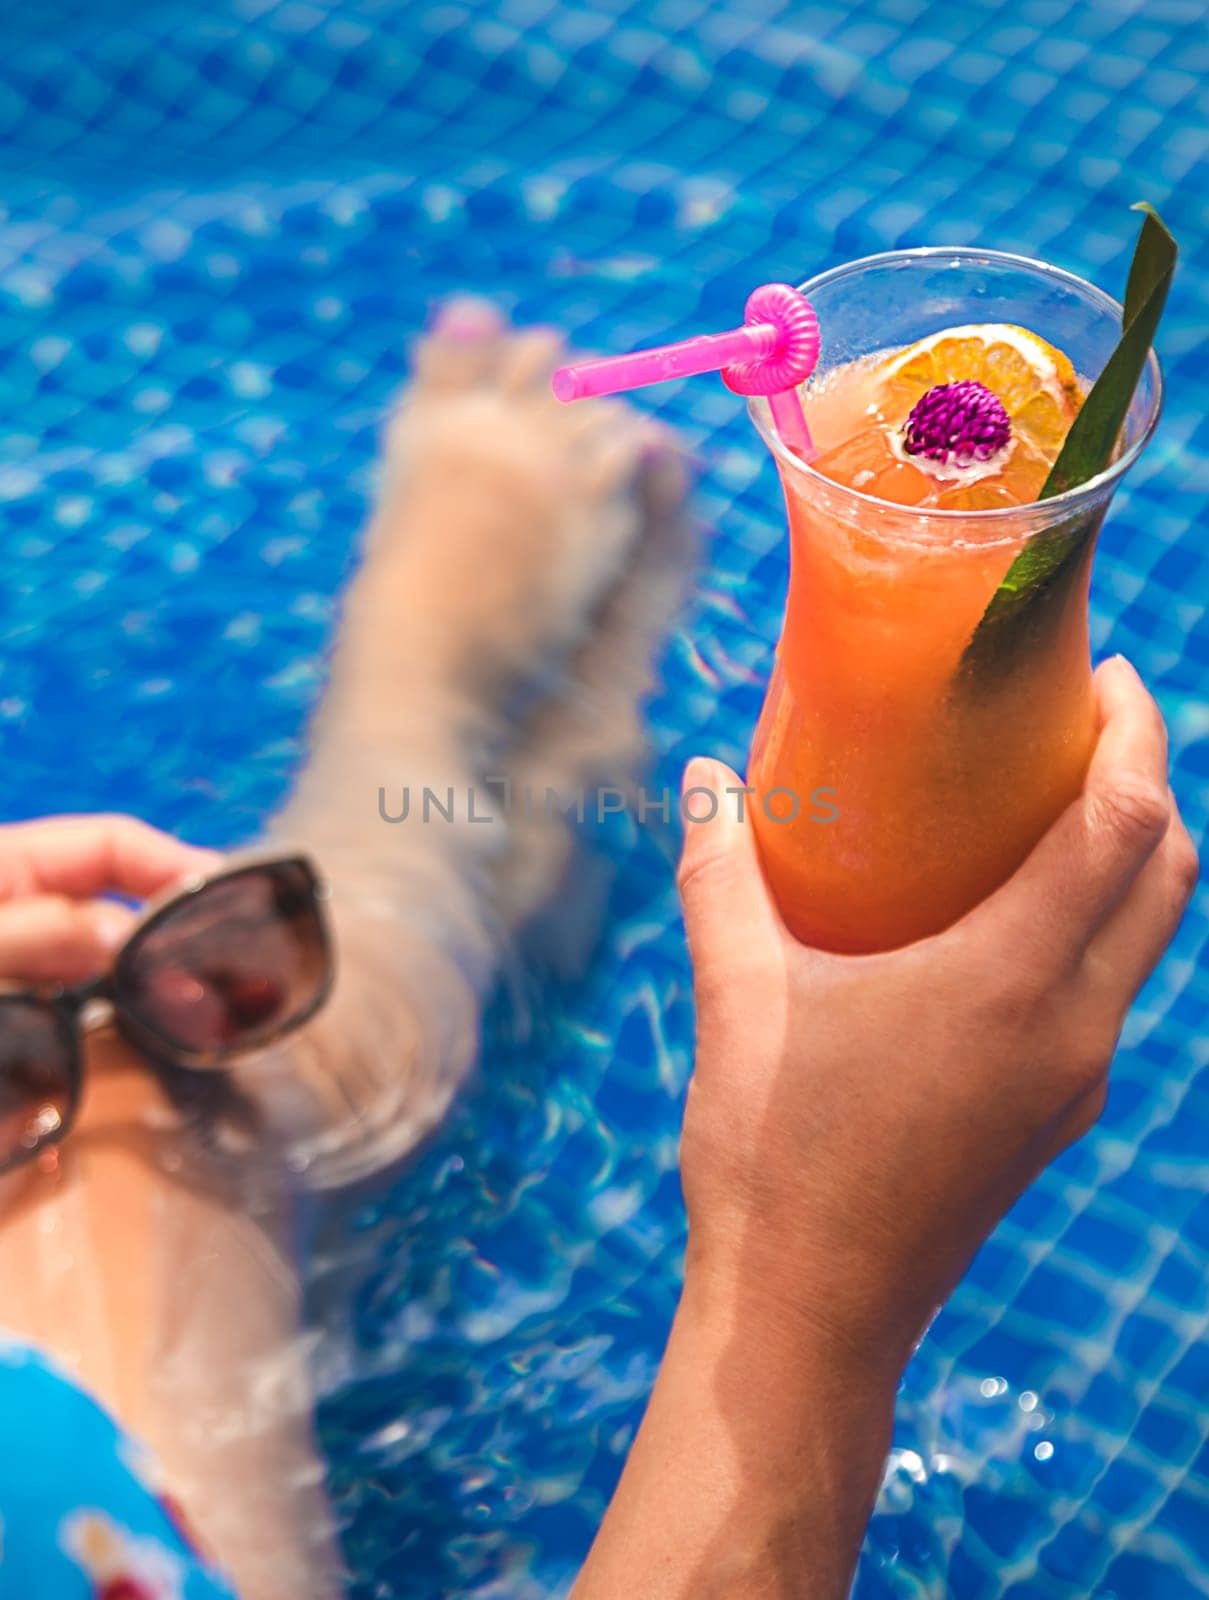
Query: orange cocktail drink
x=926 y=719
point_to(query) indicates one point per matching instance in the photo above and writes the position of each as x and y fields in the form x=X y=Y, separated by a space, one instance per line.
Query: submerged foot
x=506 y=515
x=595 y=562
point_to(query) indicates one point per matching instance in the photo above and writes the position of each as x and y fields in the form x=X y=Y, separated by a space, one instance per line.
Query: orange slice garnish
x=1035 y=382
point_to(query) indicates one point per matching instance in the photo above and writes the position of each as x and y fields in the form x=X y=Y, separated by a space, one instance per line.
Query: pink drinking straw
x=776 y=349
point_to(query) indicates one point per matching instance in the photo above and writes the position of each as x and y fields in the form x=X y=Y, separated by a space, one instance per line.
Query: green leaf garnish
x=1028 y=606
x=1049 y=560
x=1093 y=435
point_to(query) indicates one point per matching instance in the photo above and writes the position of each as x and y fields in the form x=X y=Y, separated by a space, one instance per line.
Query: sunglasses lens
x=232 y=966
x=37 y=1081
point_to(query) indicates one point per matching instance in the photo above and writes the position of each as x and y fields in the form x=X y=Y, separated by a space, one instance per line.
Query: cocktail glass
x=924 y=727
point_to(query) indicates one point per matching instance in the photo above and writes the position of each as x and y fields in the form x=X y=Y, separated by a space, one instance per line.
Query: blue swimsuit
x=81 y=1517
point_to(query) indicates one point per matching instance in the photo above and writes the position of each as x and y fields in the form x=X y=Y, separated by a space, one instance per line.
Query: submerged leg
x=519 y=573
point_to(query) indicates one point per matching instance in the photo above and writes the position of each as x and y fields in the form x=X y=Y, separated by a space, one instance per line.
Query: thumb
x=728 y=910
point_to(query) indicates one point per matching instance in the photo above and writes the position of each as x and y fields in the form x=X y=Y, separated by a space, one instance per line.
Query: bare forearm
x=756 y=1465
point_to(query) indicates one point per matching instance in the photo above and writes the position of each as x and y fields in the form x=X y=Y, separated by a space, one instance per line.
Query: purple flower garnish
x=957 y=422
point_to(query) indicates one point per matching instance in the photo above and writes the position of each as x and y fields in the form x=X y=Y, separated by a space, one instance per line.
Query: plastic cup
x=903 y=767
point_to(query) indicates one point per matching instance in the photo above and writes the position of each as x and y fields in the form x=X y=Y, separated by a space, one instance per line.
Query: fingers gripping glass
x=221 y=968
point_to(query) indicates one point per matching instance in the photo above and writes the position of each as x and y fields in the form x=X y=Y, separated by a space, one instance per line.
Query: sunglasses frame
x=69 y=1006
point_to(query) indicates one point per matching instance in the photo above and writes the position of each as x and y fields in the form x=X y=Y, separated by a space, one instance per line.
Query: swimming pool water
x=219 y=226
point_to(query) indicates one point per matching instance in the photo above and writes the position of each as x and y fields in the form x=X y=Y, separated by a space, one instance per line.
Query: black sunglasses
x=215 y=970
